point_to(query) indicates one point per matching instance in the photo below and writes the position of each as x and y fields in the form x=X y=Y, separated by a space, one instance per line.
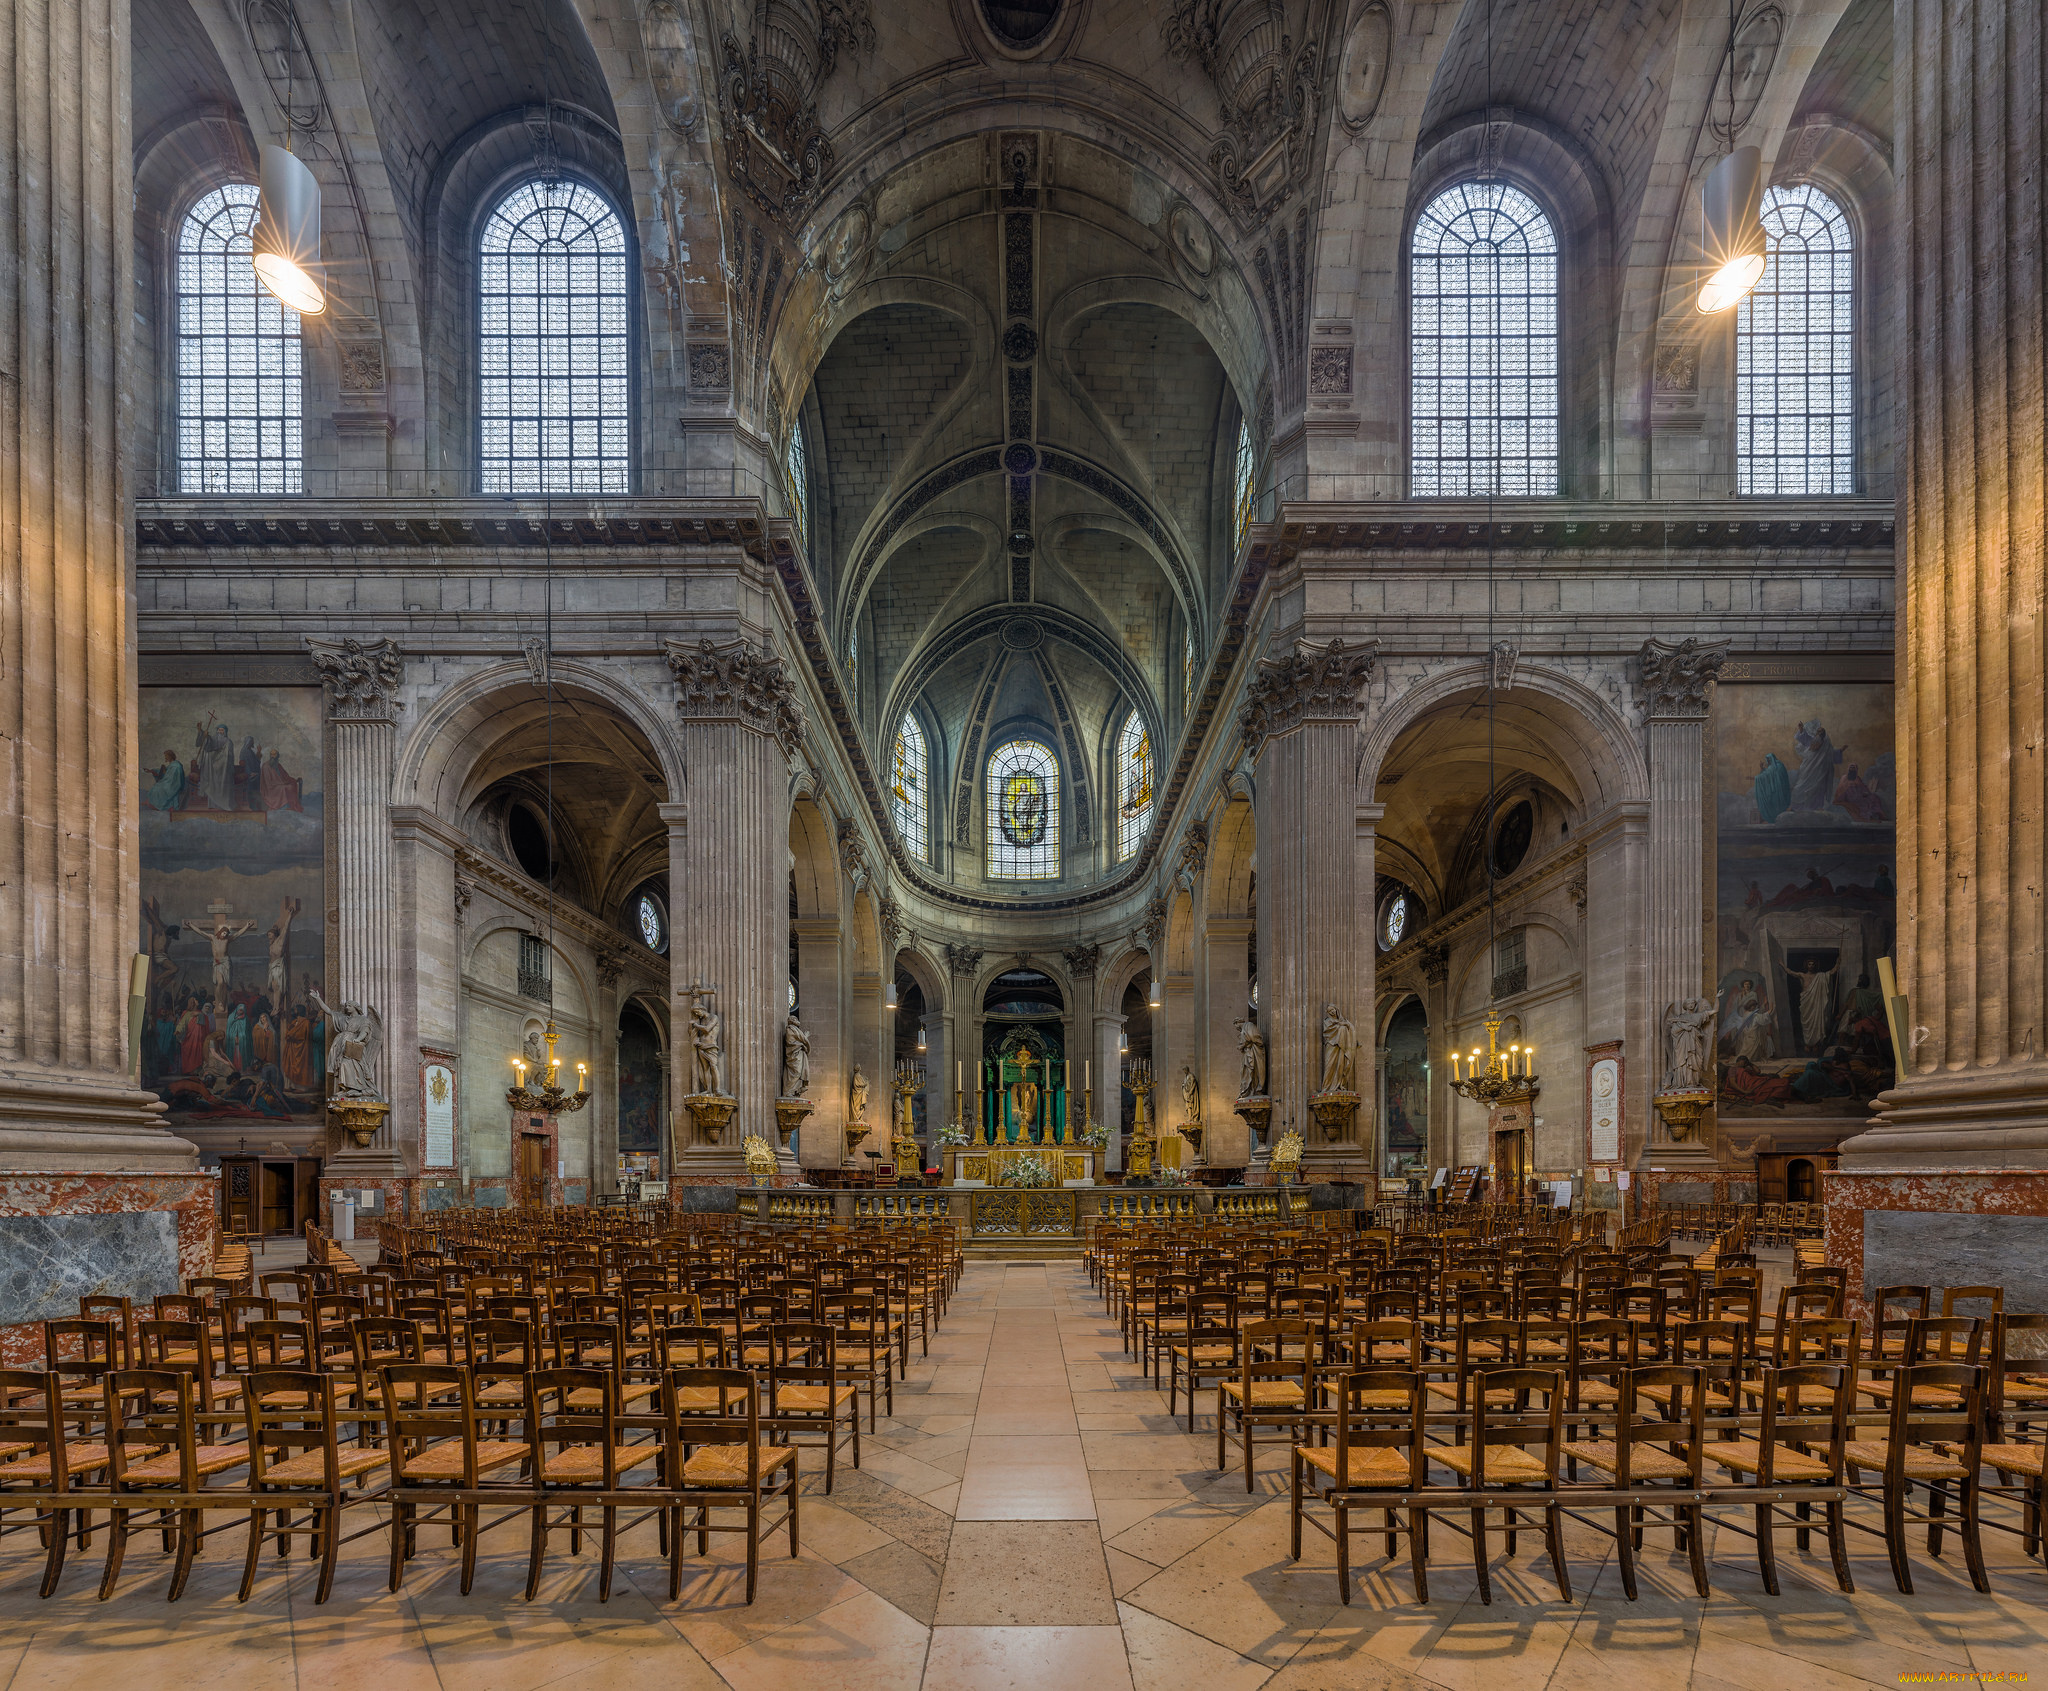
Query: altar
x=986 y=1164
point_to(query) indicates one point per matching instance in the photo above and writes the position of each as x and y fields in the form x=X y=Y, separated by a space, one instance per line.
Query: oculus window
x=238 y=358
x=1483 y=356
x=650 y=922
x=909 y=792
x=1133 y=786
x=555 y=407
x=1795 y=424
x=1023 y=812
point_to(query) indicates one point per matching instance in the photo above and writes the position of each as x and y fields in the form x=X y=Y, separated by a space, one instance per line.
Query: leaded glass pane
x=1134 y=786
x=1794 y=353
x=1023 y=812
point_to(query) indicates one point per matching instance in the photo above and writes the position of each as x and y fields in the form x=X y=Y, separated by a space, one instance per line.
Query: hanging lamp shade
x=287 y=235
x=1733 y=203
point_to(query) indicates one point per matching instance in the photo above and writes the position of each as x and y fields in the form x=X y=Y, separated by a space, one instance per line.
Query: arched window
x=1245 y=486
x=555 y=408
x=1795 y=422
x=1133 y=786
x=909 y=789
x=238 y=358
x=1483 y=389
x=853 y=663
x=797 y=483
x=1023 y=812
x=1188 y=674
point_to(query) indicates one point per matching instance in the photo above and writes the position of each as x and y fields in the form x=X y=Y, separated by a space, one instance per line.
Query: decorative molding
x=1082 y=960
x=535 y=650
x=362 y=677
x=768 y=96
x=1504 y=655
x=465 y=890
x=1152 y=931
x=853 y=852
x=737 y=682
x=362 y=366
x=889 y=916
x=1577 y=889
x=963 y=959
x=1310 y=683
x=1329 y=371
x=1194 y=854
x=1271 y=93
x=1436 y=963
x=611 y=965
x=1675 y=682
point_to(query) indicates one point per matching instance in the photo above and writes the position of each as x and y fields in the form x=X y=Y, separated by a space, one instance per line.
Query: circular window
x=1511 y=836
x=647 y=919
x=1397 y=916
x=792 y=997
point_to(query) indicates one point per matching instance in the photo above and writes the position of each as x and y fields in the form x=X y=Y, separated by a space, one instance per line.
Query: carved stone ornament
x=853 y=851
x=1271 y=93
x=768 y=94
x=362 y=677
x=611 y=965
x=1310 y=682
x=963 y=959
x=737 y=682
x=1577 y=889
x=1082 y=960
x=362 y=366
x=1676 y=681
x=890 y=915
x=1436 y=963
x=465 y=890
x=1153 y=929
x=1504 y=657
x=1194 y=854
x=536 y=653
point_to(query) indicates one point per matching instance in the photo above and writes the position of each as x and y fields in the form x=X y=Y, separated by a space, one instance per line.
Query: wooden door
x=280 y=1197
x=1800 y=1185
x=533 y=1168
x=241 y=1193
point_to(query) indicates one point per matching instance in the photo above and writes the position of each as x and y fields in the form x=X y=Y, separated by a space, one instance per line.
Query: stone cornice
x=178 y=525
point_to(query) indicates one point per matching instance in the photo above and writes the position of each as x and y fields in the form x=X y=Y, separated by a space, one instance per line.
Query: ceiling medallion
x=1023 y=634
x=1020 y=343
x=1019 y=459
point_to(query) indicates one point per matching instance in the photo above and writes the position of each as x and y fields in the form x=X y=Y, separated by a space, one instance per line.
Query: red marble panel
x=1848 y=1193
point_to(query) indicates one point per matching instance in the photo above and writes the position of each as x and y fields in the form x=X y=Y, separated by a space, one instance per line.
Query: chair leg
x=1341 y=1520
x=1766 y=1548
x=466 y=1514
x=795 y=1490
x=1418 y=1552
x=253 y=1555
x=1553 y=1533
x=53 y=1565
x=1624 y=1551
x=191 y=1528
x=117 y=1542
x=1838 y=1546
x=1973 y=1549
x=1895 y=1536
x=608 y=1544
x=1479 y=1554
x=399 y=1512
x=753 y=1540
x=1937 y=1506
x=329 y=1519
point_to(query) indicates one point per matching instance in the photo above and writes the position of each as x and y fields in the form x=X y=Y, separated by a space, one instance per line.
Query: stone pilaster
x=1675 y=686
x=818 y=1002
x=362 y=679
x=1227 y=995
x=68 y=851
x=1300 y=723
x=741 y=723
x=1973 y=866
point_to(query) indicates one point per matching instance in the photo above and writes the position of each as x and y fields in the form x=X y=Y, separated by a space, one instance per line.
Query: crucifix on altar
x=1023 y=1093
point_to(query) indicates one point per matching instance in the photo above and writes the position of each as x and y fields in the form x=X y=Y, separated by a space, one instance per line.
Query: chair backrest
x=689 y=1345
x=1277 y=1348
x=1945 y=1338
x=1826 y=1340
x=1888 y=1330
x=1517 y=1422
x=148 y=1409
x=1992 y=1296
x=424 y=1404
x=1807 y=1405
x=1394 y=1343
x=560 y=1414
x=500 y=1343
x=1364 y=1421
x=731 y=1413
x=802 y=1353
x=1672 y=1424
x=287 y=1410
x=1935 y=1403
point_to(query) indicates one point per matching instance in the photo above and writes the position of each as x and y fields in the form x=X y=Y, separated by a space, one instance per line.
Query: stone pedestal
x=1965 y=1129
x=710 y=1115
x=789 y=1120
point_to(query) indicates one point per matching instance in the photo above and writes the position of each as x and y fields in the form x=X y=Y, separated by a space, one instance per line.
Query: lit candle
x=520 y=1065
x=581 y=1072
x=1528 y=1059
x=1087 y=1073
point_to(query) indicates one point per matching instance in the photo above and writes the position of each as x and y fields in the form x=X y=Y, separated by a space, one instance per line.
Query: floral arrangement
x=1097 y=1136
x=1170 y=1177
x=1027 y=1171
x=955 y=1133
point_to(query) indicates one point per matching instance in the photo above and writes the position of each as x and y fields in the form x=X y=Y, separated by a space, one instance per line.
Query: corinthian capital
x=737 y=682
x=1675 y=682
x=1310 y=683
x=362 y=677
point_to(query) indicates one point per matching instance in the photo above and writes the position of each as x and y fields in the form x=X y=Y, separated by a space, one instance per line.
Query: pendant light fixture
x=1732 y=208
x=286 y=240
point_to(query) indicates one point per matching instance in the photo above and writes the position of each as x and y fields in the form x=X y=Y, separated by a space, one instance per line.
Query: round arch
x=814 y=859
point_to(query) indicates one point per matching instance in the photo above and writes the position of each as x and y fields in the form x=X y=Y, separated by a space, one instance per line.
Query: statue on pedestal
x=357 y=1106
x=1024 y=1096
x=1190 y=1096
x=857 y=1098
x=707 y=1042
x=1340 y=1052
x=796 y=1059
x=1687 y=1041
x=1251 y=1048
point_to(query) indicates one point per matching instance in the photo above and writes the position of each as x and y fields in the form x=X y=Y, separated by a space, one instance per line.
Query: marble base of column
x=71 y=1125
x=1995 y=1120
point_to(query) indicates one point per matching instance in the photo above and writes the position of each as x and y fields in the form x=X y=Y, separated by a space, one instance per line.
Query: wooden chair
x=1206 y=1347
x=1272 y=1385
x=1660 y=1445
x=154 y=1445
x=1497 y=1468
x=2015 y=1404
x=1378 y=1444
x=576 y=1411
x=41 y=1465
x=296 y=1461
x=1803 y=1441
x=716 y=1458
x=805 y=1392
x=1934 y=1439
x=440 y=1461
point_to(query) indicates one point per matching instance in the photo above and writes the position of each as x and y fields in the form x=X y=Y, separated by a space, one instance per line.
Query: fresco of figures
x=232 y=901
x=1406 y=1110
x=1806 y=902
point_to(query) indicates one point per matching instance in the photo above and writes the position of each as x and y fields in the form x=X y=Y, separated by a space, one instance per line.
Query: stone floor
x=1030 y=1518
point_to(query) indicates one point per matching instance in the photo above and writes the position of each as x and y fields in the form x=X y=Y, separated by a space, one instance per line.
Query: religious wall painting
x=639 y=1088
x=1805 y=897
x=233 y=894
x=1405 y=1145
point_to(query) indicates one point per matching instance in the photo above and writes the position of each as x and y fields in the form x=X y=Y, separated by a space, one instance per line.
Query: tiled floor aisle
x=1030 y=1518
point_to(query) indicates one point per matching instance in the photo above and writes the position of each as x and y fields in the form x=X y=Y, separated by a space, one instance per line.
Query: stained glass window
x=853 y=662
x=909 y=795
x=1483 y=385
x=797 y=484
x=1187 y=665
x=1023 y=812
x=238 y=358
x=1133 y=786
x=653 y=926
x=1244 y=486
x=1795 y=423
x=555 y=410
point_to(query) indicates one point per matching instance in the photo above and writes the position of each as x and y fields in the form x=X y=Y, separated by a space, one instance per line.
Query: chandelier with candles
x=1496 y=1076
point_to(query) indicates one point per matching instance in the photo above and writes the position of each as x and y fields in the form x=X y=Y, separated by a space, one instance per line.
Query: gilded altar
x=1023 y=1212
x=986 y=1163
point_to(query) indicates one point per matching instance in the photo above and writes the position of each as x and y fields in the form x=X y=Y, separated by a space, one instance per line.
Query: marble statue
x=1340 y=1052
x=1190 y=1096
x=1687 y=1040
x=796 y=1060
x=536 y=1055
x=707 y=1041
x=857 y=1097
x=1251 y=1050
x=352 y=1046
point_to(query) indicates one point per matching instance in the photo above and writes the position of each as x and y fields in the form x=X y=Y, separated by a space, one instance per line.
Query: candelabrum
x=549 y=1098
x=1497 y=1076
x=909 y=1082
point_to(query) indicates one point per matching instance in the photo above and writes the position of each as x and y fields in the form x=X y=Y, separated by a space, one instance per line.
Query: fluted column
x=1973 y=870
x=68 y=834
x=820 y=964
x=363 y=678
x=1227 y=997
x=1300 y=721
x=729 y=874
x=1674 y=684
